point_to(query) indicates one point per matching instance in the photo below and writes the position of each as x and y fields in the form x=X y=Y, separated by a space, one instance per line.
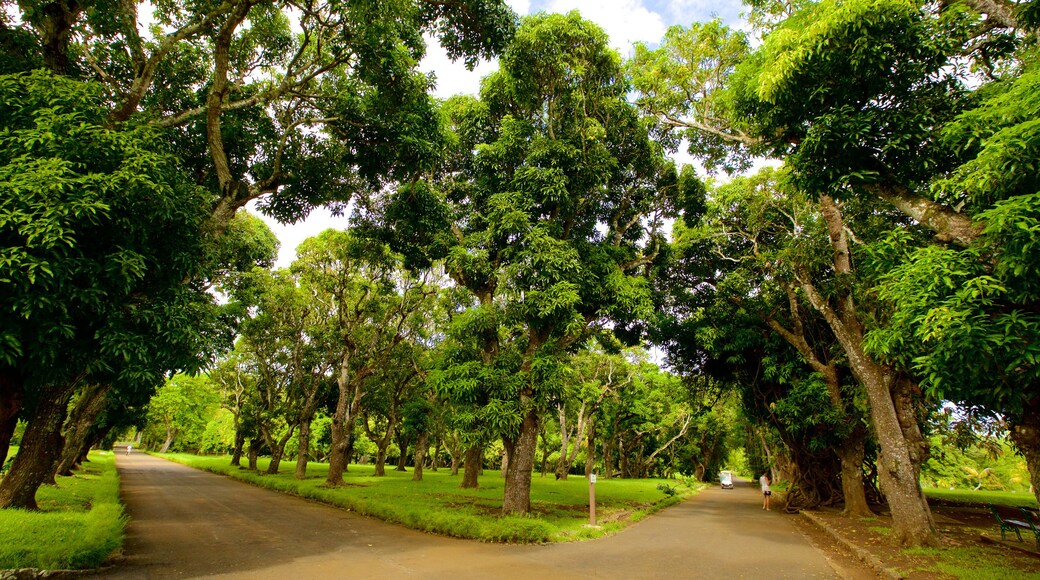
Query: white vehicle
x=726 y=477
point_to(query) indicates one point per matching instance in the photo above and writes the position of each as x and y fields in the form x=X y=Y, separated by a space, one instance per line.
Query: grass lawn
x=982 y=498
x=80 y=522
x=438 y=505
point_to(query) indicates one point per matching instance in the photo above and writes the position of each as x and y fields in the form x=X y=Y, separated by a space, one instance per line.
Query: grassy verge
x=438 y=505
x=975 y=563
x=980 y=498
x=80 y=522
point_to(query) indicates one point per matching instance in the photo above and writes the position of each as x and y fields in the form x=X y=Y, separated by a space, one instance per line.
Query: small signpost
x=592 y=499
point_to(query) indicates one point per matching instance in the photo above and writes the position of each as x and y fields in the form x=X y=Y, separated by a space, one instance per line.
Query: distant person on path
x=130 y=448
x=766 y=493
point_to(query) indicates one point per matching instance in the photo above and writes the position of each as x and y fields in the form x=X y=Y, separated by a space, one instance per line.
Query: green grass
x=438 y=505
x=973 y=563
x=80 y=522
x=969 y=497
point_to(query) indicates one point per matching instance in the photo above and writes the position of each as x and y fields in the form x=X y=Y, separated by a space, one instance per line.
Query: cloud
x=625 y=21
x=686 y=12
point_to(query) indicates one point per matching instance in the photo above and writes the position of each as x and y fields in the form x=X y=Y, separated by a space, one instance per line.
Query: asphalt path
x=187 y=523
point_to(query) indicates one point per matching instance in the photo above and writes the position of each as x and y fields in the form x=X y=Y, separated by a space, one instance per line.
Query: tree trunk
x=435 y=459
x=276 y=460
x=608 y=458
x=851 y=456
x=545 y=454
x=277 y=447
x=171 y=432
x=77 y=429
x=303 y=455
x=1025 y=434
x=347 y=404
x=420 y=456
x=911 y=520
x=474 y=457
x=517 y=494
x=240 y=441
x=590 y=451
x=255 y=444
x=381 y=460
x=402 y=457
x=40 y=448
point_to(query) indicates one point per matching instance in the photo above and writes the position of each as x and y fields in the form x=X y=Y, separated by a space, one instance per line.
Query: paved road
x=188 y=523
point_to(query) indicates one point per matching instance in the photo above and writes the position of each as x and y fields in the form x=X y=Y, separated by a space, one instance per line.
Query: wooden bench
x=1009 y=525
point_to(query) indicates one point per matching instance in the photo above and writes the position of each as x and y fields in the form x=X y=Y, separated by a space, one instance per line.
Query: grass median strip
x=80 y=522
x=438 y=505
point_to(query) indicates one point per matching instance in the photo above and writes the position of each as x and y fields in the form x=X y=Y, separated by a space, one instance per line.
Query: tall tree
x=550 y=222
x=375 y=306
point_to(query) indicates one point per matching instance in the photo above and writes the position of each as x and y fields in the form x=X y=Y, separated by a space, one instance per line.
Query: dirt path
x=188 y=523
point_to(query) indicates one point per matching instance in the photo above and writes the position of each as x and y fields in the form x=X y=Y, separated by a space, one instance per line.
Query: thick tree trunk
x=276 y=460
x=1025 y=434
x=347 y=404
x=303 y=454
x=77 y=429
x=420 y=456
x=912 y=523
x=521 y=450
x=474 y=458
x=40 y=448
x=380 y=470
x=255 y=445
x=850 y=454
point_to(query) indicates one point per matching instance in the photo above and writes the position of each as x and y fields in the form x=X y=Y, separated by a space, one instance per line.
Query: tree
x=374 y=307
x=558 y=153
x=238 y=140
x=180 y=410
x=733 y=281
x=103 y=231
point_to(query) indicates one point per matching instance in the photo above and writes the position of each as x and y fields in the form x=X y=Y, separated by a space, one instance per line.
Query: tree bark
x=240 y=441
x=474 y=457
x=590 y=451
x=171 y=432
x=949 y=226
x=851 y=454
x=40 y=448
x=77 y=430
x=521 y=450
x=304 y=444
x=402 y=457
x=255 y=445
x=420 y=456
x=380 y=468
x=347 y=405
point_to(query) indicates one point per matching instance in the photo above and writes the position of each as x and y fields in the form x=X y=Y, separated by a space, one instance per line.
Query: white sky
x=625 y=21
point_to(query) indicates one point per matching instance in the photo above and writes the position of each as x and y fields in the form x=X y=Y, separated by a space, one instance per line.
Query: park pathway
x=188 y=523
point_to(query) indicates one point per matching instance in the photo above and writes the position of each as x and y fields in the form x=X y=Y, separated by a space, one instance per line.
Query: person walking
x=129 y=448
x=764 y=481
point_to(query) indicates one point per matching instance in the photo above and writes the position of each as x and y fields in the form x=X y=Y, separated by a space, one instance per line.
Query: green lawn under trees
x=79 y=525
x=559 y=508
